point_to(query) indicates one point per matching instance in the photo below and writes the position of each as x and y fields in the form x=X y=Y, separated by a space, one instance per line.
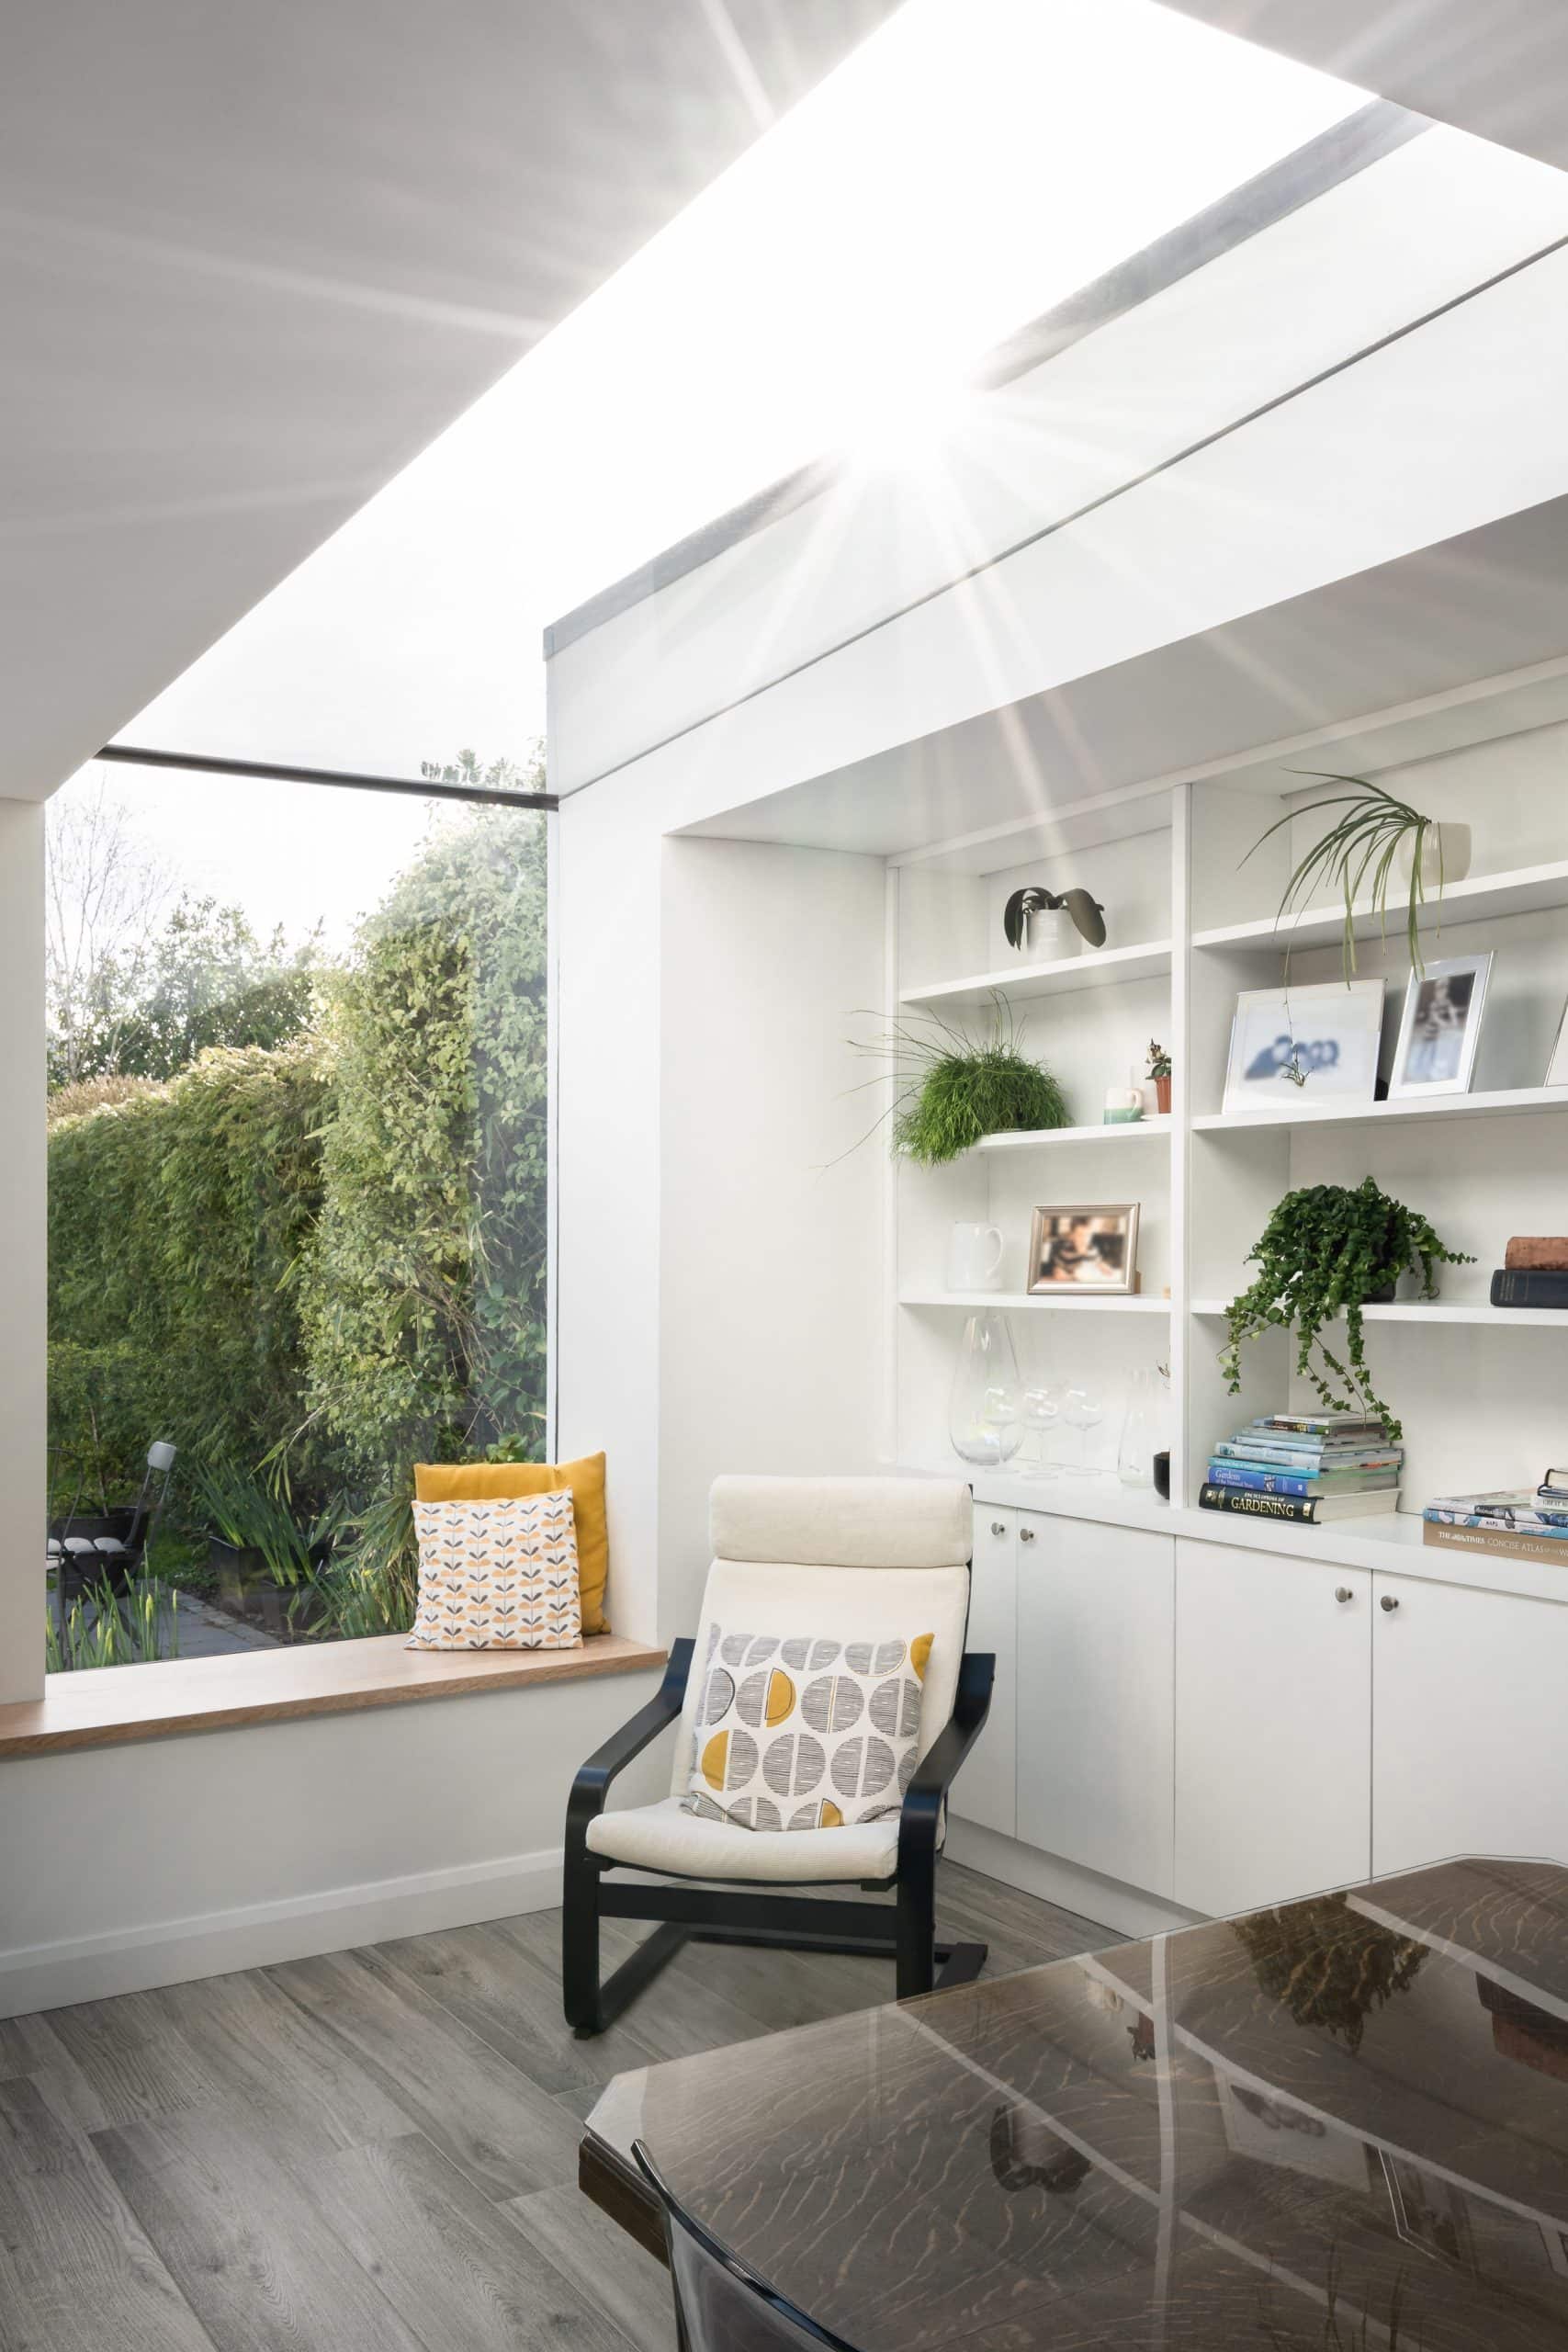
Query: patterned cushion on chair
x=497 y=1576
x=801 y=1732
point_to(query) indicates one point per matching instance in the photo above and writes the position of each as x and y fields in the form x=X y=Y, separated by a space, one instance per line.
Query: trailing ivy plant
x=953 y=1089
x=1324 y=1252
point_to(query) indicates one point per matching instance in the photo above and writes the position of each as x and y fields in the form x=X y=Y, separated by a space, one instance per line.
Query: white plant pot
x=1444 y=854
x=1049 y=934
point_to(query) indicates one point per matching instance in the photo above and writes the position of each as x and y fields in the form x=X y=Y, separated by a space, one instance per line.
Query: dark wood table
x=1340 y=2126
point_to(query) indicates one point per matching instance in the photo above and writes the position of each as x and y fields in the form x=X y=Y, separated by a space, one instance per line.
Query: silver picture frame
x=1087 y=1249
x=1440 y=1028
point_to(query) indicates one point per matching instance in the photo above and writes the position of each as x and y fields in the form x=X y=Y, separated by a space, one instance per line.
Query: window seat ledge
x=104 y=1706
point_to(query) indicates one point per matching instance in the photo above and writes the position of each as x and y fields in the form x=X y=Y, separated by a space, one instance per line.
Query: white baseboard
x=1104 y=1900
x=90 y=1967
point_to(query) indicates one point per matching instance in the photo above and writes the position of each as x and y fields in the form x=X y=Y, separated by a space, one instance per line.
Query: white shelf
x=1510 y=1103
x=1010 y=1302
x=1436 y=1310
x=1035 y=1138
x=1097 y=967
x=1481 y=898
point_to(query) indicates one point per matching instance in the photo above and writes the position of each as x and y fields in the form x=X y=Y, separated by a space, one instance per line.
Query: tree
x=424 y=1300
x=106 y=891
x=207 y=980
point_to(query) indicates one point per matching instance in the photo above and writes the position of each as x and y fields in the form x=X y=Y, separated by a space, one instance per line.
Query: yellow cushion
x=491 y=1482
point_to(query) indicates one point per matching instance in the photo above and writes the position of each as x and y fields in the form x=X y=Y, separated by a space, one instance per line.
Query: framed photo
x=1557 y=1069
x=1429 y=2212
x=1093 y=1248
x=1315 y=1043
x=1441 y=1026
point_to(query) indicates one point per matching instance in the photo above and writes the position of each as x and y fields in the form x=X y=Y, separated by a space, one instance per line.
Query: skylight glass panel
x=973 y=162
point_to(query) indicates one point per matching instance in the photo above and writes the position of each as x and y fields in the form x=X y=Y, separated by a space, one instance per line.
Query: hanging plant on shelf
x=1330 y=1250
x=951 y=1090
x=1377 y=836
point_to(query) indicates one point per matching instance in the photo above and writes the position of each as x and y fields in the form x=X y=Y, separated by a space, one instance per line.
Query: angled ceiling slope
x=1498 y=69
x=253 y=259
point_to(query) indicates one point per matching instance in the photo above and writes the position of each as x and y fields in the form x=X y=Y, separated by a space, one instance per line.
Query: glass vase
x=982 y=1419
x=1145 y=1428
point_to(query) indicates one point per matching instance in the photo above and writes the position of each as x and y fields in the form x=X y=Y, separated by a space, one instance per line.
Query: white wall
x=718 y=1282
x=22 y=1166
x=148 y=1864
x=770 y=1356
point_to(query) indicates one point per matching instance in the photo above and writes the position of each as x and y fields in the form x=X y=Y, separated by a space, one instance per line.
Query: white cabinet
x=986 y=1789
x=1095 y=1632
x=1470 y=1714
x=1273 y=1727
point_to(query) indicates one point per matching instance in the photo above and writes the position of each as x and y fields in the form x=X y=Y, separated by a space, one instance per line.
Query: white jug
x=974 y=1258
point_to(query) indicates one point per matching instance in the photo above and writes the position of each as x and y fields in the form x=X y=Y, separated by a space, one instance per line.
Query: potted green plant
x=1159 y=1071
x=1376 y=836
x=957 y=1090
x=953 y=1090
x=1330 y=1250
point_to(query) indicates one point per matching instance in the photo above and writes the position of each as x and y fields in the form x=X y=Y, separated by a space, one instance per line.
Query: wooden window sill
x=106 y=1705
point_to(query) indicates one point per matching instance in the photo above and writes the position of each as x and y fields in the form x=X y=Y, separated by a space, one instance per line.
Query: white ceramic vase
x=1444 y=854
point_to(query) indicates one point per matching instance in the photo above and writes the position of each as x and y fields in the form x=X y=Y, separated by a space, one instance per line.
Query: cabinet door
x=1273 y=1727
x=1470 y=1751
x=1094 y=1675
x=986 y=1789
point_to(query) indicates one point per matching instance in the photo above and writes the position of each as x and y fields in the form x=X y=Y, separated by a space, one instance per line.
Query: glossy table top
x=1340 y=2125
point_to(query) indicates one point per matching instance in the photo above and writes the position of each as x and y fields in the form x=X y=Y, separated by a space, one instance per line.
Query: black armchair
x=900 y=1550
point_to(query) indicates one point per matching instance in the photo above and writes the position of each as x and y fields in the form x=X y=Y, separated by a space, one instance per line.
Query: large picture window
x=298 y=1193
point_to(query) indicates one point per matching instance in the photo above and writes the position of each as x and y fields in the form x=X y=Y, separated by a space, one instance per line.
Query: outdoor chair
x=113 y=1544
x=854 y=1559
x=721 y=2305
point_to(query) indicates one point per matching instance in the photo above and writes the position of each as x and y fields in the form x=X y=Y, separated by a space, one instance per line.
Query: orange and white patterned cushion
x=498 y=1576
x=801 y=1733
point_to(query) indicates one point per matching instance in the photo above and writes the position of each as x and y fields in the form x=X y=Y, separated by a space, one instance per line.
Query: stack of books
x=1305 y=1466
x=1518 y=1524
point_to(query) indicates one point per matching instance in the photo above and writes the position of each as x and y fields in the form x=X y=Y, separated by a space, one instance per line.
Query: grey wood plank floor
x=377 y=2151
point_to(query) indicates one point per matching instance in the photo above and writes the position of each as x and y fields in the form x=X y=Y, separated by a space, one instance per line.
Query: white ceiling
x=251 y=259
x=1496 y=67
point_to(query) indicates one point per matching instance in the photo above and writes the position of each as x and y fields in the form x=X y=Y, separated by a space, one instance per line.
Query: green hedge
x=336 y=1244
x=175 y=1221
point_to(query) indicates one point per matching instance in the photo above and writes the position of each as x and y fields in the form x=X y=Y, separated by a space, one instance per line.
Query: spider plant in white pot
x=1376 y=837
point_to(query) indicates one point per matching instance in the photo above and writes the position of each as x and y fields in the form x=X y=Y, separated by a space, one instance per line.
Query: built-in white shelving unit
x=1480 y=898
x=1042 y=1138
x=1021 y=982
x=1512 y=1102
x=1483 y=1406
x=1027 y=1302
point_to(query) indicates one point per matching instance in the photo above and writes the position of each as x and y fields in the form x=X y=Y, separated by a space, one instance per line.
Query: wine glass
x=1041 y=1411
x=1083 y=1409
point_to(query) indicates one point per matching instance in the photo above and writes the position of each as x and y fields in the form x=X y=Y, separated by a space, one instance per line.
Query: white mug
x=974 y=1258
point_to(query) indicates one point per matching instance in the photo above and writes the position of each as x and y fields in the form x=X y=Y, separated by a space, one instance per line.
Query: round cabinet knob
x=1026 y=1534
x=1342 y=1592
x=1389 y=1603
x=998 y=1527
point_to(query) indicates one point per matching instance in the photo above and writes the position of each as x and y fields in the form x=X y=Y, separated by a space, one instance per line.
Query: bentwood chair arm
x=921 y=1815
x=592 y=1786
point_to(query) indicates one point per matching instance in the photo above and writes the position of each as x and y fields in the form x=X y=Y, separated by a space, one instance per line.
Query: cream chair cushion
x=665 y=1839
x=865 y=1559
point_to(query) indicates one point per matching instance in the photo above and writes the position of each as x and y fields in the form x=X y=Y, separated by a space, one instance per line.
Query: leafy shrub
x=175 y=1220
x=423 y=1293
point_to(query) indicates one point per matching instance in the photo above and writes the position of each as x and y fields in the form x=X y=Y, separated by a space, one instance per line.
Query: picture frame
x=1315 y=1043
x=1087 y=1247
x=1429 y=2211
x=1441 y=1026
x=1557 y=1067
